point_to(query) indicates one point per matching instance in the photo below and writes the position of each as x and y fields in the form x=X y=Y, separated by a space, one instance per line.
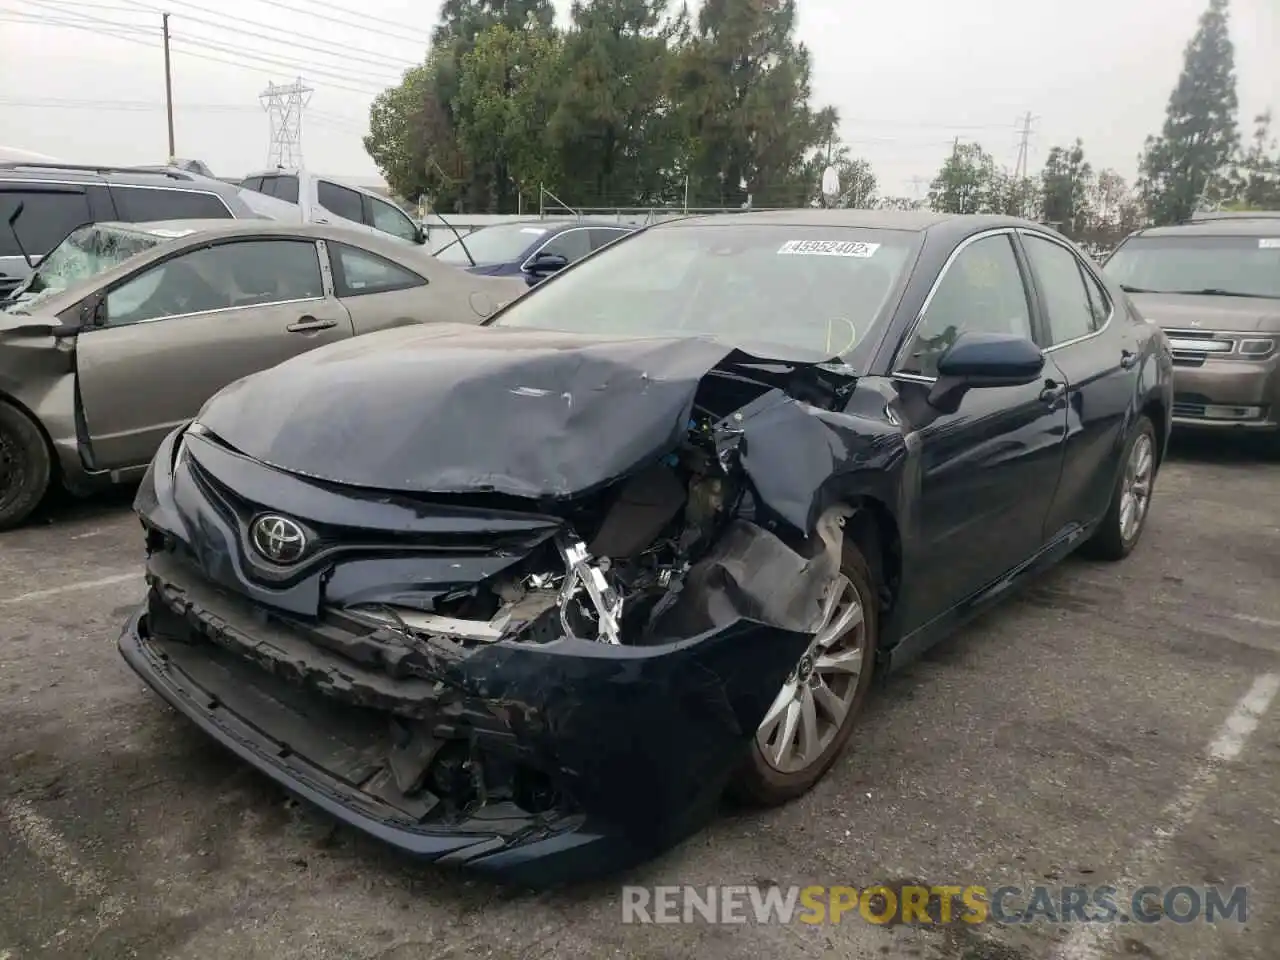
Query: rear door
x=49 y=213
x=179 y=330
x=989 y=470
x=380 y=294
x=1090 y=350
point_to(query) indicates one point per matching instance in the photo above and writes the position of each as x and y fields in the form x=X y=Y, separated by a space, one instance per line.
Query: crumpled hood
x=1192 y=312
x=449 y=408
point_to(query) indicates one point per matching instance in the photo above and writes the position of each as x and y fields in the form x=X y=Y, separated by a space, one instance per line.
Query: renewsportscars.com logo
x=933 y=904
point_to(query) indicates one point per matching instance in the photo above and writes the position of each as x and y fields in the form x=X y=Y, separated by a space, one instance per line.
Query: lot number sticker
x=829 y=248
x=1269 y=243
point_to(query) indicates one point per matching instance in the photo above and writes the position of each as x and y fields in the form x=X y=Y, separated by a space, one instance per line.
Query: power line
x=130 y=33
x=363 y=16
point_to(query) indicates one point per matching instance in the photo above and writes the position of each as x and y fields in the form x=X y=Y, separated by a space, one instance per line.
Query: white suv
x=319 y=199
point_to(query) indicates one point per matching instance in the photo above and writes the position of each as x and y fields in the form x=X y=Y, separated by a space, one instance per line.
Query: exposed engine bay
x=618 y=571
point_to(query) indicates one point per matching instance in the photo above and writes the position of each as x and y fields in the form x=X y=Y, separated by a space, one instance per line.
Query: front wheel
x=813 y=715
x=1126 y=518
x=25 y=466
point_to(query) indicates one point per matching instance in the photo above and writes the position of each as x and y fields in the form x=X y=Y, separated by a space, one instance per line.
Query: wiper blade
x=1128 y=289
x=1219 y=292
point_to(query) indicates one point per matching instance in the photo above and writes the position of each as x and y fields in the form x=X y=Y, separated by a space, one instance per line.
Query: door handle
x=310 y=325
x=1128 y=359
x=1053 y=392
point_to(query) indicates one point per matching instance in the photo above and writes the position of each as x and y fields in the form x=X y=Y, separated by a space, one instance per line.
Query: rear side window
x=356 y=272
x=340 y=201
x=144 y=204
x=252 y=183
x=47 y=217
x=1061 y=282
x=286 y=189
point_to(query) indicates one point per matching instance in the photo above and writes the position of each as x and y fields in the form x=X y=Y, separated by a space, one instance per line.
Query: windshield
x=84 y=253
x=781 y=292
x=501 y=244
x=1239 y=266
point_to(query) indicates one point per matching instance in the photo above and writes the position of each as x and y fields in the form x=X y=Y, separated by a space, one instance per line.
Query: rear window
x=146 y=204
x=1227 y=266
x=47 y=217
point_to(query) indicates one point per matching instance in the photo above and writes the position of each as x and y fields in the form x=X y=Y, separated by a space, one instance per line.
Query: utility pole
x=168 y=85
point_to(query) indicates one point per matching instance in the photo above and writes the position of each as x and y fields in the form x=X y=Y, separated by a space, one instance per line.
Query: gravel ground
x=1109 y=726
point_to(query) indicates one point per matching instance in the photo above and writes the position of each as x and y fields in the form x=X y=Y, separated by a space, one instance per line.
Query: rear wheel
x=813 y=715
x=25 y=466
x=1130 y=500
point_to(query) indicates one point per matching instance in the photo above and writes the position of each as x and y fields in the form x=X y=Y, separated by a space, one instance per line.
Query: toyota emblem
x=278 y=539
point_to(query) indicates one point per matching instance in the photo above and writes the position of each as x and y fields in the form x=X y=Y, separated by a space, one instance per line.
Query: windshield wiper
x=1128 y=289
x=1219 y=292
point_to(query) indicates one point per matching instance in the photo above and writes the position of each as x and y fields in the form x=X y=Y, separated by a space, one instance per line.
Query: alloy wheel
x=812 y=705
x=1135 y=491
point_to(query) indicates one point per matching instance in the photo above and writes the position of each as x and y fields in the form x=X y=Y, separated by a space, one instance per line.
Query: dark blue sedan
x=649 y=532
x=533 y=249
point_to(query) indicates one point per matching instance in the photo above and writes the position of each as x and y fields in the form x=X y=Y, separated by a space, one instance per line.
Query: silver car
x=125 y=330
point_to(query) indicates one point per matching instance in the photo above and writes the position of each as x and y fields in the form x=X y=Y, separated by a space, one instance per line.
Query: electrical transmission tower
x=1024 y=138
x=284 y=105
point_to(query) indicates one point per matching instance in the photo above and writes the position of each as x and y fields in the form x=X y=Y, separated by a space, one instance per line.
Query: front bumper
x=637 y=743
x=1235 y=395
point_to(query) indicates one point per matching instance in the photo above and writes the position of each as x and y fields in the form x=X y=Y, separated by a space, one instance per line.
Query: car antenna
x=13 y=228
x=462 y=243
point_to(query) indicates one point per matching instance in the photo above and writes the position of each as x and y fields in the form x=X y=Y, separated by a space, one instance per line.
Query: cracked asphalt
x=1109 y=725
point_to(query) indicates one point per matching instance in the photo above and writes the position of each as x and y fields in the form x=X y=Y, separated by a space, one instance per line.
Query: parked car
x=56 y=198
x=646 y=533
x=1214 y=286
x=123 y=331
x=533 y=250
x=320 y=199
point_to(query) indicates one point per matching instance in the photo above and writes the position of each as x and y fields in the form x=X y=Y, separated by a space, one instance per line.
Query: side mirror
x=545 y=264
x=420 y=236
x=93 y=311
x=983 y=360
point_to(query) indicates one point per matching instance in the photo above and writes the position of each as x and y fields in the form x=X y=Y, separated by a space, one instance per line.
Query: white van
x=320 y=199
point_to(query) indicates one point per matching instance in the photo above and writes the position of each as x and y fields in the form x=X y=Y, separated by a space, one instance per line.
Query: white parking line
x=1089 y=942
x=85 y=585
x=1259 y=621
x=43 y=840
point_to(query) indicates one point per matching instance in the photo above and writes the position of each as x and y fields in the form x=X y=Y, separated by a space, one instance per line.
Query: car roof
x=914 y=221
x=1256 y=226
x=140 y=176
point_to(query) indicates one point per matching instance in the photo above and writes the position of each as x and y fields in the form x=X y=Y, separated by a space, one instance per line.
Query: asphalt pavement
x=1111 y=725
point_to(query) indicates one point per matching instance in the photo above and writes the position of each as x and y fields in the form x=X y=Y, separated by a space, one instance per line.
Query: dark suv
x=56 y=198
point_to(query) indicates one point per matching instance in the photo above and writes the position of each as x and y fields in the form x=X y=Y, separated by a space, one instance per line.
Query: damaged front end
x=545 y=688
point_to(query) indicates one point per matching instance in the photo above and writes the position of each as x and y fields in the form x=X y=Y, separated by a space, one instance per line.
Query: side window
x=253 y=183
x=339 y=201
x=1099 y=301
x=390 y=220
x=602 y=236
x=286 y=189
x=240 y=274
x=572 y=244
x=144 y=204
x=47 y=217
x=1058 y=276
x=358 y=271
x=982 y=291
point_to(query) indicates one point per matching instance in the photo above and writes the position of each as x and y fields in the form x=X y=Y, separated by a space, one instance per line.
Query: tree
x=742 y=83
x=1112 y=212
x=1013 y=195
x=503 y=106
x=1065 y=183
x=411 y=139
x=615 y=132
x=1257 y=174
x=967 y=182
x=1186 y=165
x=857 y=179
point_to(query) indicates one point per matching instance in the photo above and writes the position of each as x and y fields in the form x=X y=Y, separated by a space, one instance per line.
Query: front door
x=179 y=330
x=988 y=471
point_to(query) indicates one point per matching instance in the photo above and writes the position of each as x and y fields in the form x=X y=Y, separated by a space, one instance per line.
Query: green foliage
x=1186 y=167
x=1065 y=183
x=967 y=183
x=1256 y=178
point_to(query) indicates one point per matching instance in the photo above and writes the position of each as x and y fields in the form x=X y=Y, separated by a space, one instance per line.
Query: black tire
x=757 y=782
x=26 y=467
x=1109 y=541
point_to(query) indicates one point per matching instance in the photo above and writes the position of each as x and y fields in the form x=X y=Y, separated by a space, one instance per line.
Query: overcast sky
x=908 y=76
